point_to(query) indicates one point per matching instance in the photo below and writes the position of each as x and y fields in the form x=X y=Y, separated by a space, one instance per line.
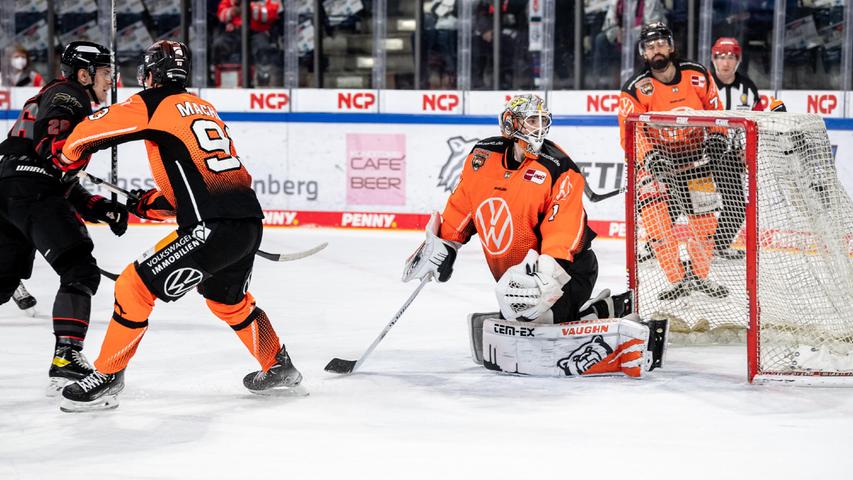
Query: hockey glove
x=531 y=288
x=716 y=147
x=434 y=257
x=114 y=214
x=150 y=204
x=658 y=165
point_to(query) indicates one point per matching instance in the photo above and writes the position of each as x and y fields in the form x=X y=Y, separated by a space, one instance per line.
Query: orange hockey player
x=675 y=175
x=203 y=183
x=523 y=196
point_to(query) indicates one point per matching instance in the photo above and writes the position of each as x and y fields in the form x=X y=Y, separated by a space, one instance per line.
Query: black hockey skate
x=69 y=365
x=98 y=391
x=23 y=299
x=710 y=288
x=680 y=289
x=281 y=379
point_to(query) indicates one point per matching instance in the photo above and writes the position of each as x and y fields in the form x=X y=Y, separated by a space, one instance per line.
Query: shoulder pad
x=552 y=157
x=631 y=85
x=494 y=144
x=69 y=96
x=688 y=65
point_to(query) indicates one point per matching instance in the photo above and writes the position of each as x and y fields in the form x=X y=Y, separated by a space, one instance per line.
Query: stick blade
x=339 y=366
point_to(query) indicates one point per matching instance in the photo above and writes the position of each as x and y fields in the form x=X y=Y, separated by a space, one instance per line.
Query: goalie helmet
x=652 y=32
x=83 y=55
x=168 y=62
x=526 y=118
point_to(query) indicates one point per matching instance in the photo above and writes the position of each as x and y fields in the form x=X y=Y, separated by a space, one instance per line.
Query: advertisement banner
x=376 y=169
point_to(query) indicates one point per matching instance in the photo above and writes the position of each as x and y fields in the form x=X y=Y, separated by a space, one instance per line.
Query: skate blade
x=107 y=402
x=31 y=312
x=55 y=386
x=294 y=391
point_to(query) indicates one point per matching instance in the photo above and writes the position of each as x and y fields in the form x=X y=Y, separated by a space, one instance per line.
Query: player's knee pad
x=77 y=270
x=586 y=348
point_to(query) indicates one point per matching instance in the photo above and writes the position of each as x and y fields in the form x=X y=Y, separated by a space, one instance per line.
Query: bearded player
x=675 y=173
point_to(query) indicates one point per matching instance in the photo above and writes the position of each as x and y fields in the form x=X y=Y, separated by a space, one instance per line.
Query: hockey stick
x=345 y=367
x=275 y=257
x=113 y=93
x=597 y=197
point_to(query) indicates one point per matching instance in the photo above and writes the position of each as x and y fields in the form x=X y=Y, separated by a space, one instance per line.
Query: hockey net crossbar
x=786 y=283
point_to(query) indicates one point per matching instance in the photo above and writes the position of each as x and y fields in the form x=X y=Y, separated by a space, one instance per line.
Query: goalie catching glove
x=531 y=288
x=434 y=257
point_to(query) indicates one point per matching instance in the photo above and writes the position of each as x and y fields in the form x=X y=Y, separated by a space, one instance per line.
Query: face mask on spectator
x=19 y=63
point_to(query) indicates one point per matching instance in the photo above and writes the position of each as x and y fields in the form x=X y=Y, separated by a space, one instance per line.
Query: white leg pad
x=584 y=348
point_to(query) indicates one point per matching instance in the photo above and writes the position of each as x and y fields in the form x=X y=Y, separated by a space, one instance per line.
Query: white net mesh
x=690 y=197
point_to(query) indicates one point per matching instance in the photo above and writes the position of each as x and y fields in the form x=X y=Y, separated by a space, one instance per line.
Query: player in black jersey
x=737 y=92
x=41 y=206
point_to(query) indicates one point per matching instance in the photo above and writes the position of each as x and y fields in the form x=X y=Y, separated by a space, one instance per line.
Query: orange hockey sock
x=252 y=326
x=700 y=246
x=658 y=225
x=133 y=305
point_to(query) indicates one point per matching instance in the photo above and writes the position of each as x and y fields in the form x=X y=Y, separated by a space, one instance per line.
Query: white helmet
x=526 y=118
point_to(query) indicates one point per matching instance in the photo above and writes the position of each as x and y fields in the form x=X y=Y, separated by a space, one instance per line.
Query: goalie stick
x=345 y=367
x=275 y=257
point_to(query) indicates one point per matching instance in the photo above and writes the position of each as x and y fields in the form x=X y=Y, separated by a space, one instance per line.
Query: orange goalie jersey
x=537 y=206
x=192 y=157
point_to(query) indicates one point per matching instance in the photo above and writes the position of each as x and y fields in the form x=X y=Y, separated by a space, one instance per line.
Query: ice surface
x=418 y=408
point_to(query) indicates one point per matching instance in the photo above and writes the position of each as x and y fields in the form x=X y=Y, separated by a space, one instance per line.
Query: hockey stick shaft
x=349 y=366
x=113 y=93
x=275 y=257
x=597 y=197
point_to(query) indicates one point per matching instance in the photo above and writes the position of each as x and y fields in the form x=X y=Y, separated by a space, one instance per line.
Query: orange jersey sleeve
x=119 y=123
x=564 y=225
x=193 y=159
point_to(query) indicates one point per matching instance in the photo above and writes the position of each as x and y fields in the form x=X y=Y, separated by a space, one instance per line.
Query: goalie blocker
x=610 y=346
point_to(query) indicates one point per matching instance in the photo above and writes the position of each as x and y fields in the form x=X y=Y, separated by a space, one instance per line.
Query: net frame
x=750 y=127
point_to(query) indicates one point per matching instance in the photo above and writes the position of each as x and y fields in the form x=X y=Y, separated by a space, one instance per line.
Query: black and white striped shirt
x=740 y=94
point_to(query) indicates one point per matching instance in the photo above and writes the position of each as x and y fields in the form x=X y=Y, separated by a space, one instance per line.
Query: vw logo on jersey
x=181 y=281
x=494 y=224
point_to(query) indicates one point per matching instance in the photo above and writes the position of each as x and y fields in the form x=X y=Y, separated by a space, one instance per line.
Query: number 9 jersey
x=192 y=157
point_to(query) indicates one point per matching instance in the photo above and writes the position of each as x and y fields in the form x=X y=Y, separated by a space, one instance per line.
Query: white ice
x=419 y=409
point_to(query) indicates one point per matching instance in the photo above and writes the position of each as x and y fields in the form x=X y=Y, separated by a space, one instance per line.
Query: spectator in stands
x=21 y=73
x=607 y=50
x=514 y=58
x=264 y=15
x=440 y=40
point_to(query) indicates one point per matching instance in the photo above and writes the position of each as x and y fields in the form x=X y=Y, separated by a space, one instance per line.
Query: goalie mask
x=526 y=118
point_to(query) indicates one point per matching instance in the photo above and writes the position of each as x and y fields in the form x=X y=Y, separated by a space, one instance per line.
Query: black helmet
x=654 y=31
x=169 y=62
x=83 y=55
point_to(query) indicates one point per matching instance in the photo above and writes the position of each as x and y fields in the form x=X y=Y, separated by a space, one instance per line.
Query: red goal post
x=796 y=228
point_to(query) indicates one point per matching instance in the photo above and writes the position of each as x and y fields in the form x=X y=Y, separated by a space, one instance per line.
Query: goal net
x=738 y=229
